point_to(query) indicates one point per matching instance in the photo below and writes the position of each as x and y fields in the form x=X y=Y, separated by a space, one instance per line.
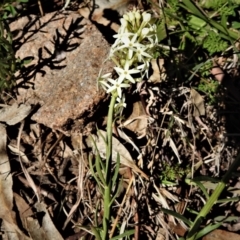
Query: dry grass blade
x=80 y=182
x=19 y=153
x=26 y=174
x=120 y=208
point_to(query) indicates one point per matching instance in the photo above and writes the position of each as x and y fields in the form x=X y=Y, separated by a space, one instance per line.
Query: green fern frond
x=213 y=43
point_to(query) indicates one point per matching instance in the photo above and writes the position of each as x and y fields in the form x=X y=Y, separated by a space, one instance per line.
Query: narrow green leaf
x=200 y=185
x=117 y=192
x=190 y=6
x=116 y=171
x=226 y=200
x=207 y=230
x=194 y=228
x=125 y=234
x=177 y=215
x=96 y=233
x=99 y=169
x=95 y=176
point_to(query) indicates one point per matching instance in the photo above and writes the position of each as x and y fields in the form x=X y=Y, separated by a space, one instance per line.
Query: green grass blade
x=207 y=230
x=117 y=192
x=199 y=184
x=177 y=215
x=125 y=234
x=96 y=233
x=99 y=169
x=190 y=6
x=95 y=176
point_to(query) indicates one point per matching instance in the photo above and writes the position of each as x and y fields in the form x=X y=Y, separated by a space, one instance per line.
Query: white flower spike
x=135 y=43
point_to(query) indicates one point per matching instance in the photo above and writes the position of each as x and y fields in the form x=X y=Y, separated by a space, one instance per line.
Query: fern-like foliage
x=222 y=7
x=213 y=43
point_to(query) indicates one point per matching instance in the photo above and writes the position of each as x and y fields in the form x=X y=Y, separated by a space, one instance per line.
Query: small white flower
x=105 y=76
x=144 y=68
x=117 y=85
x=120 y=105
x=131 y=17
x=104 y=85
x=146 y=17
x=126 y=72
x=119 y=37
x=145 y=32
x=121 y=102
x=131 y=44
x=125 y=16
x=142 y=54
x=124 y=23
x=138 y=17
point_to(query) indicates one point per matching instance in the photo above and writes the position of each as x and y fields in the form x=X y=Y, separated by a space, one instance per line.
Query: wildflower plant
x=135 y=44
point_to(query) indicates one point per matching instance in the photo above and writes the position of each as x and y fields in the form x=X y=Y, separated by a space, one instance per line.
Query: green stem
x=108 y=187
x=212 y=200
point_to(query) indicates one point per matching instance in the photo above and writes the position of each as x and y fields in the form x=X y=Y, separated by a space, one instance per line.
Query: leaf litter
x=47 y=175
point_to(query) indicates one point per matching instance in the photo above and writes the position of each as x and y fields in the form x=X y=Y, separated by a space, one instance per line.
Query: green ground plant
x=202 y=30
x=8 y=61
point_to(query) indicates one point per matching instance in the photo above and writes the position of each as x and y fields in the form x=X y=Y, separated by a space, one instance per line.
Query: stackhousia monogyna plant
x=135 y=44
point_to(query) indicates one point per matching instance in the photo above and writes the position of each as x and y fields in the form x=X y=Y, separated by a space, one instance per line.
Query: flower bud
x=146 y=17
x=123 y=22
x=125 y=16
x=131 y=17
x=138 y=18
x=137 y=15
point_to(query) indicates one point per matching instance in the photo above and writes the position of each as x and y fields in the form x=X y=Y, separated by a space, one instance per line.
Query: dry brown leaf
x=47 y=226
x=177 y=228
x=34 y=229
x=6 y=194
x=198 y=103
x=14 y=114
x=221 y=235
x=159 y=72
x=161 y=234
x=29 y=223
x=137 y=121
x=23 y=208
x=125 y=157
x=125 y=137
